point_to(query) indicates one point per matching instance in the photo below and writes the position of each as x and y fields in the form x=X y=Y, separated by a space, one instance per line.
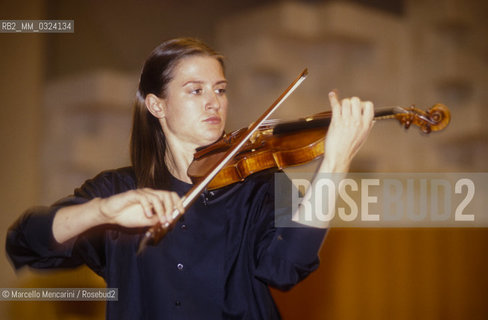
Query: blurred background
x=65 y=115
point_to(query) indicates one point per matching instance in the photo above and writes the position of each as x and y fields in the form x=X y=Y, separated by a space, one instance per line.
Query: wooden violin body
x=282 y=145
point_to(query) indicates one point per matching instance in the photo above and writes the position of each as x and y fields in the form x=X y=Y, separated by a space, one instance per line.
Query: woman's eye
x=196 y=91
x=221 y=91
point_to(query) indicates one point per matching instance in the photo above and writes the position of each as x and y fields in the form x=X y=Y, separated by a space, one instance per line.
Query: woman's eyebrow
x=221 y=82
x=192 y=82
x=201 y=82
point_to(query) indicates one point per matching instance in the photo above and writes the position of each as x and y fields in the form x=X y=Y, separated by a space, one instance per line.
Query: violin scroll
x=434 y=119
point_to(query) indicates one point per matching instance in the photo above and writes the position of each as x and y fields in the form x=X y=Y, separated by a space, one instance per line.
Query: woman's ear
x=155 y=105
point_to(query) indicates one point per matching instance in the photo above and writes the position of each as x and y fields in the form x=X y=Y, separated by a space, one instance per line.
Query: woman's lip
x=213 y=120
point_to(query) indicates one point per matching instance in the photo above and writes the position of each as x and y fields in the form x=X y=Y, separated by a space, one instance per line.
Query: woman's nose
x=212 y=102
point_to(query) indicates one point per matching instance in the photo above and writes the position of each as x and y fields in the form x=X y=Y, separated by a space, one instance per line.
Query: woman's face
x=195 y=106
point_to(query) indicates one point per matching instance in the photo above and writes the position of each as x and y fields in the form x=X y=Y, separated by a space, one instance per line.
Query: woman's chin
x=209 y=139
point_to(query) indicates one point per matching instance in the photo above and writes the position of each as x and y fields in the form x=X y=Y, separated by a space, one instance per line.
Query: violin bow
x=155 y=233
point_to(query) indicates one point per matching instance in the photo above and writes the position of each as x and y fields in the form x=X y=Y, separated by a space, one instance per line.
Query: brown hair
x=148 y=143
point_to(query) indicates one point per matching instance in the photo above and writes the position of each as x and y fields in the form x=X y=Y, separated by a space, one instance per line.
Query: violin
x=267 y=144
x=279 y=145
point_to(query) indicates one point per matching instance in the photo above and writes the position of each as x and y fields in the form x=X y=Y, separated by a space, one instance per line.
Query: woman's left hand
x=352 y=120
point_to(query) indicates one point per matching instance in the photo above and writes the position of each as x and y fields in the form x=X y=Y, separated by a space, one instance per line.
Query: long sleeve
x=285 y=254
x=30 y=240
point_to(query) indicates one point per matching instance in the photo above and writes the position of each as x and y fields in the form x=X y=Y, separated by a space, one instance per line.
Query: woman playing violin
x=223 y=254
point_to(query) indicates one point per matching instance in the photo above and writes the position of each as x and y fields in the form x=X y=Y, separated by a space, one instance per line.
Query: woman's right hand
x=140 y=207
x=131 y=209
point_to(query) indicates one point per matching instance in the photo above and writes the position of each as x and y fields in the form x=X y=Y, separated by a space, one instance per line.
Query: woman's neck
x=178 y=158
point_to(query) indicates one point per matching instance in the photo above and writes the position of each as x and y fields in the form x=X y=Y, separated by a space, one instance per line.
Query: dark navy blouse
x=217 y=262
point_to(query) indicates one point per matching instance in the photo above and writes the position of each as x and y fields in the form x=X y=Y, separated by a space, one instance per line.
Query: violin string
x=379 y=115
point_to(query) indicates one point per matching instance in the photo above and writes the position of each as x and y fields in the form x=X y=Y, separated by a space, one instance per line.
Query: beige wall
x=22 y=69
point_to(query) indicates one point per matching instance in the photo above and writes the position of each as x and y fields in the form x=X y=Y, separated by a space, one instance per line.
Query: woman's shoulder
x=124 y=174
x=110 y=182
x=120 y=173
